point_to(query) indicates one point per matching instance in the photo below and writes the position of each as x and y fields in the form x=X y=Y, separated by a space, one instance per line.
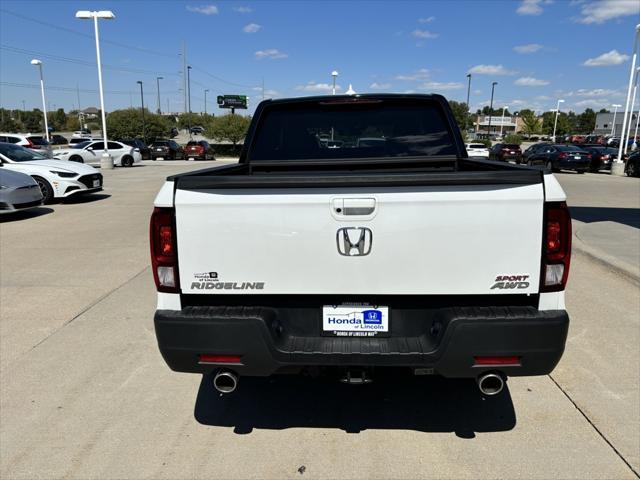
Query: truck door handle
x=354 y=206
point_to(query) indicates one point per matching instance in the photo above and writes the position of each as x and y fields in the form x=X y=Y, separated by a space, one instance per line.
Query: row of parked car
x=556 y=157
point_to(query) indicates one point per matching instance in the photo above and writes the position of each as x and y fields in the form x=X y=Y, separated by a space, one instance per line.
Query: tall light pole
x=613 y=124
x=38 y=63
x=633 y=104
x=617 y=167
x=144 y=136
x=493 y=86
x=502 y=120
x=106 y=161
x=189 y=87
x=466 y=120
x=334 y=75
x=158 y=86
x=205 y=100
x=555 y=122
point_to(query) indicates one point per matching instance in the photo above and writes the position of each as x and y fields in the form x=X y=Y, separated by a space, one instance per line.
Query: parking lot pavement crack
x=90 y=306
x=593 y=425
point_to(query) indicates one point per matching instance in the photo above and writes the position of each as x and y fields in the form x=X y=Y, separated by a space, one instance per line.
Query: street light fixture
x=334 y=74
x=158 y=85
x=38 y=63
x=555 y=122
x=617 y=167
x=106 y=161
x=613 y=124
x=502 y=120
x=144 y=136
x=493 y=86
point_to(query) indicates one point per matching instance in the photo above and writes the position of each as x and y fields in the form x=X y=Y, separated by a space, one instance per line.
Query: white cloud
x=607 y=59
x=380 y=86
x=604 y=10
x=596 y=92
x=267 y=93
x=528 y=48
x=441 y=86
x=593 y=103
x=532 y=7
x=491 y=70
x=204 y=9
x=421 y=74
x=317 y=87
x=243 y=9
x=251 y=28
x=270 y=53
x=423 y=34
x=530 y=82
x=426 y=19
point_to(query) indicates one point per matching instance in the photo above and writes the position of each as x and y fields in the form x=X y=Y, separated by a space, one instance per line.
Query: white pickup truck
x=399 y=252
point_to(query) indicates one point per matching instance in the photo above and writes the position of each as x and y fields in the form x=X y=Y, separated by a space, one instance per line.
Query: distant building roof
x=91 y=111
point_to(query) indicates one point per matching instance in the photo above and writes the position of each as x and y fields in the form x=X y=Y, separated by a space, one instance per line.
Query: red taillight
x=164 y=258
x=556 y=247
x=513 y=360
x=563 y=155
x=588 y=156
x=204 y=358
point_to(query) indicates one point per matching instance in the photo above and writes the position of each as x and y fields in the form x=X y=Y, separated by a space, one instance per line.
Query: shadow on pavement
x=627 y=216
x=425 y=404
x=85 y=198
x=25 y=214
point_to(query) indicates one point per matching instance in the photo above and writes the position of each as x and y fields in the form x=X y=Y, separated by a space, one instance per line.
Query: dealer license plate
x=355 y=320
x=96 y=183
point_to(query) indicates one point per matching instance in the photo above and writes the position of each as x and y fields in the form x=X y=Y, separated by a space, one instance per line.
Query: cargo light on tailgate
x=556 y=248
x=164 y=254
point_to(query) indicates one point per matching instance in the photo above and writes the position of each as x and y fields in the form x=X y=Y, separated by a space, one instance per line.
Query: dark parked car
x=633 y=165
x=166 y=149
x=58 y=140
x=601 y=156
x=561 y=157
x=199 y=150
x=505 y=152
x=140 y=145
x=530 y=151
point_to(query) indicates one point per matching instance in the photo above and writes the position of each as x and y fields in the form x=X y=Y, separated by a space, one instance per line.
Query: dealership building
x=604 y=123
x=510 y=124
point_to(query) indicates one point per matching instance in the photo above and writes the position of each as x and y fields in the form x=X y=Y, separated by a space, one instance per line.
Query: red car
x=198 y=150
x=505 y=152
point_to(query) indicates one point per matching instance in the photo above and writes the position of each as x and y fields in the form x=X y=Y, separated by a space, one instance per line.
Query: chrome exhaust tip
x=490 y=383
x=225 y=381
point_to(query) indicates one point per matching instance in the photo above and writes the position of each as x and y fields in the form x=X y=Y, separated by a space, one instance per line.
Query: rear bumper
x=573 y=165
x=445 y=341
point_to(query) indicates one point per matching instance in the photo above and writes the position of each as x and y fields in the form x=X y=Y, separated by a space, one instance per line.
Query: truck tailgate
x=422 y=240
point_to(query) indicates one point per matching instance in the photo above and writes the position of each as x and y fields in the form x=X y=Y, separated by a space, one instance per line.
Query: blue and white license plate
x=355 y=320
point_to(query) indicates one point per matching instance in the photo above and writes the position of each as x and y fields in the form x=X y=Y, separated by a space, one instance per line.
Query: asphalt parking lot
x=85 y=393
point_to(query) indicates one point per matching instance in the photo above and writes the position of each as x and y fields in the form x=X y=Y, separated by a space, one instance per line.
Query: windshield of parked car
x=81 y=144
x=160 y=144
x=569 y=148
x=38 y=141
x=511 y=146
x=343 y=129
x=192 y=143
x=20 y=154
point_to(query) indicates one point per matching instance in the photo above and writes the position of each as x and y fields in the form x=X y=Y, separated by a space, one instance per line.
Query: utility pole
x=205 y=100
x=262 y=88
x=184 y=74
x=493 y=86
x=158 y=85
x=466 y=122
x=144 y=136
x=189 y=87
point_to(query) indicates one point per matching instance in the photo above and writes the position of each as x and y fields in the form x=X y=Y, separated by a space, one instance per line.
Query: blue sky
x=537 y=50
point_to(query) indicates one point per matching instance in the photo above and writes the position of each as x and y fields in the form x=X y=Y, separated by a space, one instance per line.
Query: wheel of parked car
x=127 y=161
x=76 y=158
x=550 y=166
x=631 y=170
x=45 y=188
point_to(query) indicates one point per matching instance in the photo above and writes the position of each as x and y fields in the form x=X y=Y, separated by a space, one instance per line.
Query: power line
x=222 y=79
x=86 y=35
x=71 y=89
x=78 y=61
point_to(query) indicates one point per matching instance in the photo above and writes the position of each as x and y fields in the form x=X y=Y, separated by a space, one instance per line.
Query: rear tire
x=76 y=158
x=632 y=171
x=550 y=166
x=127 y=161
x=45 y=188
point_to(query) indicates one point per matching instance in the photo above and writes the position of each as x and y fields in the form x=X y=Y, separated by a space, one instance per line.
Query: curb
x=606 y=260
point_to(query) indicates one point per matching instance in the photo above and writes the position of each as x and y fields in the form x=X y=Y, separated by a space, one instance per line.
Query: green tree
x=515 y=139
x=57 y=119
x=548 y=119
x=8 y=124
x=460 y=112
x=228 y=128
x=531 y=123
x=127 y=123
x=186 y=120
x=72 y=124
x=33 y=121
x=587 y=121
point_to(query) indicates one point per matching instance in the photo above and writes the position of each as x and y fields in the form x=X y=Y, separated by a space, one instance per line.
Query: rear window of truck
x=365 y=129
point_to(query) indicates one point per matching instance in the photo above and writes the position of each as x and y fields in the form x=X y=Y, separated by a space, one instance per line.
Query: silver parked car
x=18 y=191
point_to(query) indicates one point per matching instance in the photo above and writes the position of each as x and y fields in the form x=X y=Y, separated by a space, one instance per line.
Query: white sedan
x=477 y=150
x=91 y=151
x=56 y=178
